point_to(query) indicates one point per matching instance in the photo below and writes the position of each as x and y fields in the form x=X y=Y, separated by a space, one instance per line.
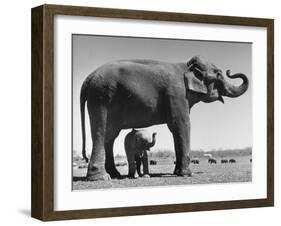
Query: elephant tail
x=83 y=99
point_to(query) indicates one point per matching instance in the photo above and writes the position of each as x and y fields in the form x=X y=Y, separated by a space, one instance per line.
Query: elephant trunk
x=230 y=90
x=153 y=140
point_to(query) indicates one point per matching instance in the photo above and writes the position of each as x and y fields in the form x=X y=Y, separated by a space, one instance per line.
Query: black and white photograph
x=160 y=112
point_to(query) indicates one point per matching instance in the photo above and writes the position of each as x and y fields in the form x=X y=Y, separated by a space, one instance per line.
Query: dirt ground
x=161 y=174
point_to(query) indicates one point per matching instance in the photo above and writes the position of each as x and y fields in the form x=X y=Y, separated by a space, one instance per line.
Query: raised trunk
x=153 y=140
x=230 y=90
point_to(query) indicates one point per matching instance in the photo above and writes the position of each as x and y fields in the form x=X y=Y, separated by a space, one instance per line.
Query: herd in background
x=210 y=161
x=223 y=161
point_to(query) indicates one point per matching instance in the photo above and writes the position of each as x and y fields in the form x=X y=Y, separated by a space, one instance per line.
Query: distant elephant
x=137 y=143
x=152 y=162
x=140 y=93
x=212 y=161
x=232 y=161
x=224 y=161
x=195 y=161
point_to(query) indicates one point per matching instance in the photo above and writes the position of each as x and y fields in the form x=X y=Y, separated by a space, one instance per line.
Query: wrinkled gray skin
x=140 y=93
x=137 y=143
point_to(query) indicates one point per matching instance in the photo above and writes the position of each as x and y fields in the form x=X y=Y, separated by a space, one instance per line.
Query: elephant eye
x=217 y=71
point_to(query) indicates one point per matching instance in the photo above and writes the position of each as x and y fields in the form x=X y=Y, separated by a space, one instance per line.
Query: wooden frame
x=42 y=204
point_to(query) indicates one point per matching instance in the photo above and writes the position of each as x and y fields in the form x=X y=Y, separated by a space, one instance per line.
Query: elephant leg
x=180 y=128
x=145 y=164
x=132 y=165
x=138 y=165
x=177 y=165
x=96 y=166
x=109 y=158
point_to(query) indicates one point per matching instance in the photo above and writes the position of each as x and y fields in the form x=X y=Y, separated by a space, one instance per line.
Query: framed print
x=141 y=112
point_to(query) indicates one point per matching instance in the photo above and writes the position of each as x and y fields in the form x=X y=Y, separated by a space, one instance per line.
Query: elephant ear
x=195 y=83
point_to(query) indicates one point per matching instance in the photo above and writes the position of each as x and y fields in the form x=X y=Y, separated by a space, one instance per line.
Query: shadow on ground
x=152 y=175
x=85 y=178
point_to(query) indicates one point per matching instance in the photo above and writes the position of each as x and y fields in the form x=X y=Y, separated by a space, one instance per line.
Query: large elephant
x=137 y=143
x=140 y=93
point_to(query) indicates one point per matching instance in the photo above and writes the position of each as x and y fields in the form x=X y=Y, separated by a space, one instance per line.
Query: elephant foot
x=146 y=176
x=100 y=176
x=113 y=172
x=183 y=172
x=97 y=174
x=115 y=175
x=132 y=177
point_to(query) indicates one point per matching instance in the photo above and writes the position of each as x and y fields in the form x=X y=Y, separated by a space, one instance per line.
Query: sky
x=213 y=125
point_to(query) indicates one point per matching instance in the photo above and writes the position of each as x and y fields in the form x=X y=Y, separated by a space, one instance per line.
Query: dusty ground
x=161 y=174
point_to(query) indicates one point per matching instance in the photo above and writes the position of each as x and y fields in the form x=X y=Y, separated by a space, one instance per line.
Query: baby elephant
x=137 y=143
